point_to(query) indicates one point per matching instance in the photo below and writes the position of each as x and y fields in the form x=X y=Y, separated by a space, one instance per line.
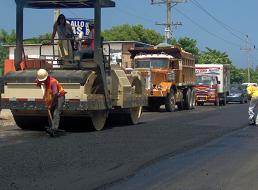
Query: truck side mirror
x=218 y=82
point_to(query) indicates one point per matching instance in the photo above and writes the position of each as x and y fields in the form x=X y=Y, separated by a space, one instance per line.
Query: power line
x=134 y=15
x=168 y=25
x=204 y=29
x=222 y=24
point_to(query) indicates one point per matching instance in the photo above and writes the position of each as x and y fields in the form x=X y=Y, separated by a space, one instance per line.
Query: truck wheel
x=188 y=99
x=98 y=119
x=154 y=108
x=193 y=101
x=200 y=103
x=180 y=105
x=224 y=102
x=170 y=102
x=217 y=102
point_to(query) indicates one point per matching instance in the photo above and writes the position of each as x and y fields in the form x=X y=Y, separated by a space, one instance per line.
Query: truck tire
x=180 y=105
x=193 y=102
x=242 y=101
x=224 y=102
x=217 y=102
x=187 y=99
x=154 y=108
x=170 y=102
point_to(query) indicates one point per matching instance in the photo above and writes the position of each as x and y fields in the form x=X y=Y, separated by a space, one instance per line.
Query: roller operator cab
x=169 y=76
x=95 y=89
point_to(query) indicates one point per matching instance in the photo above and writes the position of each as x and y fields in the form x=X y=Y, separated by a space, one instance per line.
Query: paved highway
x=170 y=146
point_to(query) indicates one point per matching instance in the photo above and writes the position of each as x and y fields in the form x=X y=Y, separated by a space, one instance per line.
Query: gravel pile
x=6 y=118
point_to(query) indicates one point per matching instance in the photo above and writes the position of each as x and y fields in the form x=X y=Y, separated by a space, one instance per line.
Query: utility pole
x=247 y=50
x=56 y=14
x=168 y=25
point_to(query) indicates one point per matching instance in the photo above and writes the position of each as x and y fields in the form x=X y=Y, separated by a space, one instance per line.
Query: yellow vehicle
x=169 y=74
x=95 y=89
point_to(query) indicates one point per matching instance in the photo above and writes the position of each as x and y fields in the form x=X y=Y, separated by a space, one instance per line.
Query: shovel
x=52 y=132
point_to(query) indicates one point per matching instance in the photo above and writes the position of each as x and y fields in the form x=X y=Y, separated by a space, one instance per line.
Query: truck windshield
x=152 y=63
x=205 y=80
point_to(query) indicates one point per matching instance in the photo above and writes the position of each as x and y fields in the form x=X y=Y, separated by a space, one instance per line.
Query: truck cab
x=207 y=89
x=213 y=83
x=157 y=71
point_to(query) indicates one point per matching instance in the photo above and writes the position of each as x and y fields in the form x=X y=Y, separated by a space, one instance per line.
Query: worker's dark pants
x=56 y=112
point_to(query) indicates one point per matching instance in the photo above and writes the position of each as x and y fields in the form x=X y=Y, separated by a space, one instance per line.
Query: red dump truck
x=212 y=83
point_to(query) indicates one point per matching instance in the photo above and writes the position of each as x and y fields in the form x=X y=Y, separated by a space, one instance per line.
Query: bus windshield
x=151 y=63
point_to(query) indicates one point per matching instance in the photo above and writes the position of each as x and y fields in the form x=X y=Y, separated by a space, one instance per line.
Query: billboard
x=81 y=25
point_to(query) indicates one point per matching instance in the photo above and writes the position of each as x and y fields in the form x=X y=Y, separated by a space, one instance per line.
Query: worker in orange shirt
x=252 y=90
x=54 y=96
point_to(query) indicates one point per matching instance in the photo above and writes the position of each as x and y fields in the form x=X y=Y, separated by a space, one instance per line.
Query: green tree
x=5 y=38
x=212 y=56
x=237 y=75
x=10 y=38
x=189 y=45
x=127 y=32
x=44 y=38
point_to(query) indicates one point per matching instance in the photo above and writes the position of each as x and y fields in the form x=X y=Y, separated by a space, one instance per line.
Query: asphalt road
x=229 y=162
x=115 y=156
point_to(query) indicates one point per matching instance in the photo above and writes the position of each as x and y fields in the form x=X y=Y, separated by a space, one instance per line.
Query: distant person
x=65 y=36
x=252 y=90
x=54 y=96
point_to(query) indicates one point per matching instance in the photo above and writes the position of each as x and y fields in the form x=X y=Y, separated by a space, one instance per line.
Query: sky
x=222 y=24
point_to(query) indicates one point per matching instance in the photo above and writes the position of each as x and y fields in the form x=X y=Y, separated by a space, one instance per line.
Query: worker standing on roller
x=54 y=96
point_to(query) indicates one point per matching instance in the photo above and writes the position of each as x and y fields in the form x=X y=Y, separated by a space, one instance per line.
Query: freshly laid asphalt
x=229 y=162
x=104 y=159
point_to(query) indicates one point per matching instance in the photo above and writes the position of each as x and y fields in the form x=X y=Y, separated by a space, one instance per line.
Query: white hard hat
x=42 y=74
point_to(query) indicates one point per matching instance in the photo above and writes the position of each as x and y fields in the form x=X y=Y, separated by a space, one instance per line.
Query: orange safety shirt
x=53 y=88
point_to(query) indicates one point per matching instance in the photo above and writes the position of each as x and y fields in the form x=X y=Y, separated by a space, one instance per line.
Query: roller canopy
x=53 y=4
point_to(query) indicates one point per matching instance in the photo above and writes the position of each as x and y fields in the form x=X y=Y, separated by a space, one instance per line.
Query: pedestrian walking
x=54 y=96
x=252 y=90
